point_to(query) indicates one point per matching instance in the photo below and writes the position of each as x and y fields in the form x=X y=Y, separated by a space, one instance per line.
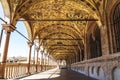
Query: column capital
x=30 y=43
x=7 y=27
x=37 y=49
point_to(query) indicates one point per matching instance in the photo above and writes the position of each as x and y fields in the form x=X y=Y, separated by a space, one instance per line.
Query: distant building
x=22 y=59
x=17 y=59
x=12 y=59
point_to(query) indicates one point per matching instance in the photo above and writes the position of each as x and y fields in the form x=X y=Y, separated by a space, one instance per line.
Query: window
x=116 y=29
x=95 y=44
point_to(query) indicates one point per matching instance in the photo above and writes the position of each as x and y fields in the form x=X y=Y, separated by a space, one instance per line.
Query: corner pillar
x=8 y=30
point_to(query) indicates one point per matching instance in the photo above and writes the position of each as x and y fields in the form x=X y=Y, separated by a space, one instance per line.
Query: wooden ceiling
x=59 y=25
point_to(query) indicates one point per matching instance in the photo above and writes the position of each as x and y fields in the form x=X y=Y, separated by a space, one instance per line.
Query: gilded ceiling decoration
x=49 y=21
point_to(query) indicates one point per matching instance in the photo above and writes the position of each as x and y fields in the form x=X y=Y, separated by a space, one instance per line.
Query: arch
x=60 y=47
x=6 y=8
x=115 y=30
x=53 y=48
x=61 y=25
x=53 y=33
x=59 y=33
x=95 y=43
x=1 y=14
x=89 y=7
x=116 y=73
x=28 y=28
x=78 y=55
x=20 y=43
x=1 y=36
x=74 y=33
x=113 y=8
x=53 y=51
x=1 y=11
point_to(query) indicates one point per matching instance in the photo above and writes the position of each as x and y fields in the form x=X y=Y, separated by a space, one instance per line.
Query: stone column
x=85 y=48
x=42 y=61
x=48 y=60
x=104 y=41
x=8 y=30
x=36 y=59
x=30 y=44
x=45 y=61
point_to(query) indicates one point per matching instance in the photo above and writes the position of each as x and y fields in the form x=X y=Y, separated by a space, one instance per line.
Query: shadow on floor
x=68 y=75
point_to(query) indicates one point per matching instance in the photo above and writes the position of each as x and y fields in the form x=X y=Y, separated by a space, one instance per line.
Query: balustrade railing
x=100 y=68
x=16 y=70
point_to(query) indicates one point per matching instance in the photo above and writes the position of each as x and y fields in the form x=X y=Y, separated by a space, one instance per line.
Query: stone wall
x=103 y=68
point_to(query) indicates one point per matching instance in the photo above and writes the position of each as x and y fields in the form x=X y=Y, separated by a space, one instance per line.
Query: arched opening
x=115 y=29
x=116 y=74
x=1 y=14
x=18 y=45
x=1 y=33
x=95 y=44
x=79 y=56
x=82 y=54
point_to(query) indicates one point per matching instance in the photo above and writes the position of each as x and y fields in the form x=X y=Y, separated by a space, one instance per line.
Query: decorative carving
x=7 y=27
x=56 y=9
x=30 y=44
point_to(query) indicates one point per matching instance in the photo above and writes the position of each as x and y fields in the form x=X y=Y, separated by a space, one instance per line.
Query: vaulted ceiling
x=60 y=25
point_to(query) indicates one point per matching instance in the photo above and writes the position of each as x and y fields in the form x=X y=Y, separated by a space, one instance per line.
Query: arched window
x=79 y=55
x=95 y=44
x=116 y=29
x=82 y=54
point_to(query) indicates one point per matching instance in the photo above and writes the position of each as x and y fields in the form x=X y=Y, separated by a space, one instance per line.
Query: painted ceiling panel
x=59 y=25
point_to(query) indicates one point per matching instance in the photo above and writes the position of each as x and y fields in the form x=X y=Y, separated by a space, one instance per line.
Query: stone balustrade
x=102 y=68
x=17 y=70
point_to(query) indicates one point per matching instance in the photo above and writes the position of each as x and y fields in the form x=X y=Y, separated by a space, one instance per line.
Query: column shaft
x=8 y=30
x=29 y=59
x=36 y=61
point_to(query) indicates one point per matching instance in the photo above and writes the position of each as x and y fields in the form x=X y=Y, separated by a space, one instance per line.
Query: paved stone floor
x=58 y=74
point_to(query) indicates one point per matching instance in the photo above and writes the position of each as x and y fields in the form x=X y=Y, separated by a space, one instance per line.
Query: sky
x=18 y=45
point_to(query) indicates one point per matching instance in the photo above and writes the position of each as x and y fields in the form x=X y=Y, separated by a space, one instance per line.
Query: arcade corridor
x=80 y=35
x=58 y=74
